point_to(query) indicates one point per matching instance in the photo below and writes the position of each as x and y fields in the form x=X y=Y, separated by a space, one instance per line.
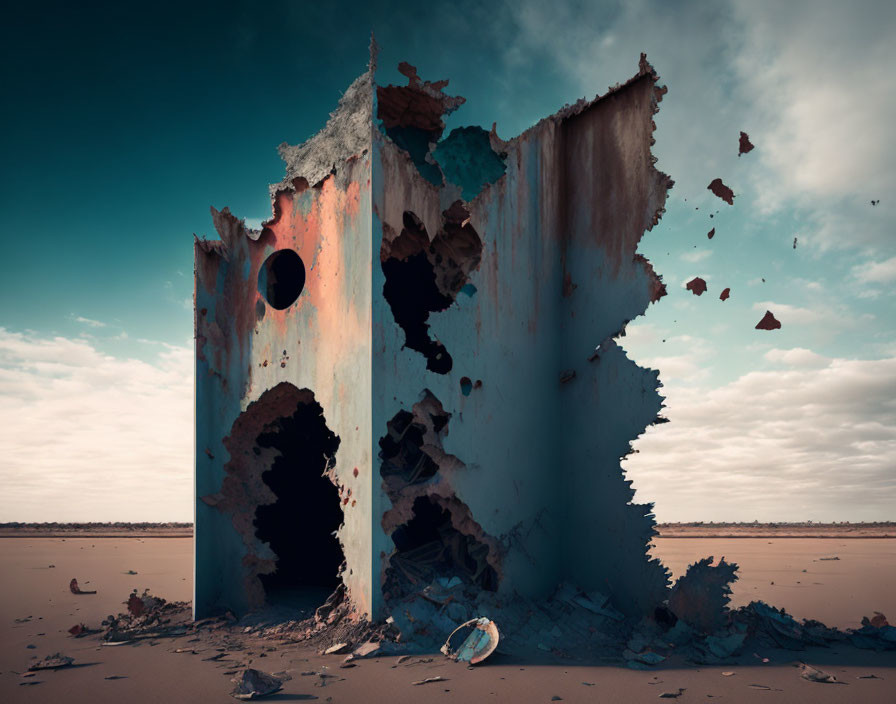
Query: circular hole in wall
x=281 y=278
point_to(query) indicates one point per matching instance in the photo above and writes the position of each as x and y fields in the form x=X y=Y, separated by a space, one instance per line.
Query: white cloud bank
x=806 y=79
x=812 y=439
x=90 y=437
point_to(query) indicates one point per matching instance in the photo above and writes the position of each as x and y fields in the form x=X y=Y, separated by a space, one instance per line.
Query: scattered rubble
x=147 y=616
x=875 y=634
x=726 y=293
x=711 y=233
x=744 y=144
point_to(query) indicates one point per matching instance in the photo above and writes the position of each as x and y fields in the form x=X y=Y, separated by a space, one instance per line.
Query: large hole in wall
x=281 y=278
x=300 y=525
x=424 y=277
x=401 y=450
x=429 y=546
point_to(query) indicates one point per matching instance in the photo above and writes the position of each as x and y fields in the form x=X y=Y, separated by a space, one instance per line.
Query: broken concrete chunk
x=75 y=589
x=815 y=675
x=254 y=684
x=365 y=649
x=744 y=145
x=711 y=233
x=53 y=662
x=79 y=630
x=337 y=648
x=429 y=680
x=472 y=641
x=722 y=191
x=672 y=695
x=697 y=286
x=725 y=294
x=768 y=322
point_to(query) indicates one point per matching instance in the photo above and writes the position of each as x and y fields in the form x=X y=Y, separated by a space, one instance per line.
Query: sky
x=123 y=124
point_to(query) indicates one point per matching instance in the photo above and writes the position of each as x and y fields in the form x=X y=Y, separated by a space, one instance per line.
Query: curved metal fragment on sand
x=472 y=641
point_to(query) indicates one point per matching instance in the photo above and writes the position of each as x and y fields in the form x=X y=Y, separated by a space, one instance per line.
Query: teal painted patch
x=467 y=160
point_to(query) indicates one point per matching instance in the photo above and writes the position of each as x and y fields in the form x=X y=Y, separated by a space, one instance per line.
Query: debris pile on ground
x=335 y=624
x=147 y=616
x=875 y=634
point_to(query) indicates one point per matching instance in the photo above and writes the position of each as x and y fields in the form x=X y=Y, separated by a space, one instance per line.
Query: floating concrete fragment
x=744 y=144
x=472 y=641
x=768 y=322
x=711 y=233
x=725 y=294
x=254 y=684
x=697 y=286
x=52 y=662
x=75 y=589
x=722 y=191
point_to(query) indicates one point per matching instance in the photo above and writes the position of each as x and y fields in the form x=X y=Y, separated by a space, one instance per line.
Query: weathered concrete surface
x=431 y=263
x=321 y=343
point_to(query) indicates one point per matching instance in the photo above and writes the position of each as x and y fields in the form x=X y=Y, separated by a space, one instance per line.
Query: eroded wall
x=246 y=347
x=539 y=434
x=457 y=328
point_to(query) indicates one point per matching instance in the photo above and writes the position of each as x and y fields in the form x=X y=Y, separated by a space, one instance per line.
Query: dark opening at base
x=300 y=527
x=429 y=546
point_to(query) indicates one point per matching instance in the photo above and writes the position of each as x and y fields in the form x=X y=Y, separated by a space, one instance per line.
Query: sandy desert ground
x=37 y=609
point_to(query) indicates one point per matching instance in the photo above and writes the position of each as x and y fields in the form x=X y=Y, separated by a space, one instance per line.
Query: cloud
x=801 y=77
x=697 y=255
x=809 y=441
x=822 y=318
x=89 y=322
x=796 y=357
x=873 y=272
x=88 y=436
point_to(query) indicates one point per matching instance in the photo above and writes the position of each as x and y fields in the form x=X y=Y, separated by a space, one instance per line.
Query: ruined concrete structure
x=409 y=373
